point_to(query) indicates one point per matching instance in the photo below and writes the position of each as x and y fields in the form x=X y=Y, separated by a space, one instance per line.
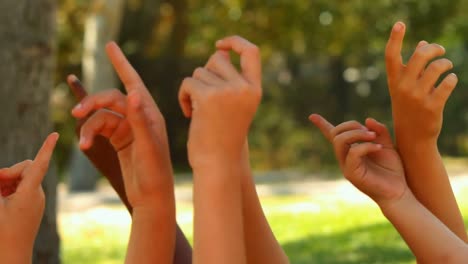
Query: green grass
x=310 y=230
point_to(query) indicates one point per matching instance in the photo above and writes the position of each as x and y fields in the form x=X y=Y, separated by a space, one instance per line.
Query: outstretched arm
x=261 y=245
x=369 y=161
x=417 y=107
x=105 y=159
x=133 y=125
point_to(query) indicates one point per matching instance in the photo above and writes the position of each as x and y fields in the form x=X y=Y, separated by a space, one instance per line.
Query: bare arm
x=428 y=238
x=218 y=227
x=261 y=244
x=417 y=107
x=105 y=159
x=370 y=162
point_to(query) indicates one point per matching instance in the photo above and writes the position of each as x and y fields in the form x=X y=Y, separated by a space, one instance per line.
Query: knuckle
x=197 y=72
x=114 y=94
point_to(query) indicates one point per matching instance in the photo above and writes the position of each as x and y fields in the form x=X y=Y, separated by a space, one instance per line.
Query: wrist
x=403 y=138
x=390 y=207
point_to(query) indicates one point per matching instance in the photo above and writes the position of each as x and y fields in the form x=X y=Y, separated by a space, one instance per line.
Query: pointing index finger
x=124 y=69
x=249 y=57
x=34 y=174
x=324 y=126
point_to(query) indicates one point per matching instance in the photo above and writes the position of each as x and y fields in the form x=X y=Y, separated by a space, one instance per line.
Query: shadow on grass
x=377 y=243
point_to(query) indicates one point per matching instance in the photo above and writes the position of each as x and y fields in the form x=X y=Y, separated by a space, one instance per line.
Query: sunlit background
x=318 y=56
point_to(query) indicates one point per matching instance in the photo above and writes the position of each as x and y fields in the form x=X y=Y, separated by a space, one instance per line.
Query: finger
x=355 y=156
x=113 y=100
x=206 y=76
x=14 y=171
x=103 y=122
x=76 y=87
x=124 y=69
x=383 y=135
x=139 y=123
x=393 y=59
x=343 y=141
x=187 y=95
x=420 y=44
x=222 y=66
x=421 y=57
x=433 y=73
x=249 y=57
x=346 y=126
x=322 y=124
x=445 y=89
x=34 y=174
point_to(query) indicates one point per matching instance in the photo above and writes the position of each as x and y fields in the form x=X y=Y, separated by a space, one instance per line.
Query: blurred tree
x=101 y=26
x=318 y=56
x=27 y=55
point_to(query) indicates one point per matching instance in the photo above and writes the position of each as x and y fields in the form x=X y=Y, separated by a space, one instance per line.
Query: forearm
x=109 y=166
x=9 y=254
x=428 y=238
x=218 y=234
x=152 y=237
x=261 y=244
x=428 y=180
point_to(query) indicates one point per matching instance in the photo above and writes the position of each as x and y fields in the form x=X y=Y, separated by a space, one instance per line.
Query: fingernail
x=371 y=133
x=77 y=107
x=82 y=141
x=441 y=47
x=398 y=27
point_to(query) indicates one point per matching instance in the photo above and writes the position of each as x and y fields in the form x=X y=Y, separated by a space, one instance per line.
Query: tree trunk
x=101 y=27
x=27 y=72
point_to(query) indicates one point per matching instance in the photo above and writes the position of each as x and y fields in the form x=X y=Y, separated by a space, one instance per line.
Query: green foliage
x=307 y=47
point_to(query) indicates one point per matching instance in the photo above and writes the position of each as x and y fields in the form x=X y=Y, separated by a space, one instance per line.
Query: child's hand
x=22 y=205
x=366 y=157
x=417 y=104
x=222 y=102
x=136 y=130
x=101 y=153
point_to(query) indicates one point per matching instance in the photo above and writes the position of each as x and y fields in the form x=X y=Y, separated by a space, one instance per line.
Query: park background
x=318 y=56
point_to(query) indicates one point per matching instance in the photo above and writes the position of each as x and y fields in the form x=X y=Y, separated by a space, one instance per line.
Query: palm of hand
x=381 y=175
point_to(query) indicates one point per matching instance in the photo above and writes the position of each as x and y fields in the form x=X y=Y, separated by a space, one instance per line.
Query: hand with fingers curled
x=366 y=157
x=418 y=99
x=221 y=102
x=135 y=128
x=419 y=92
x=22 y=204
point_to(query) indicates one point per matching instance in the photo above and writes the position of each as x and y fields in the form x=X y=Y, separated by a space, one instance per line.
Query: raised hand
x=136 y=131
x=221 y=102
x=367 y=157
x=22 y=205
x=101 y=153
x=417 y=105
